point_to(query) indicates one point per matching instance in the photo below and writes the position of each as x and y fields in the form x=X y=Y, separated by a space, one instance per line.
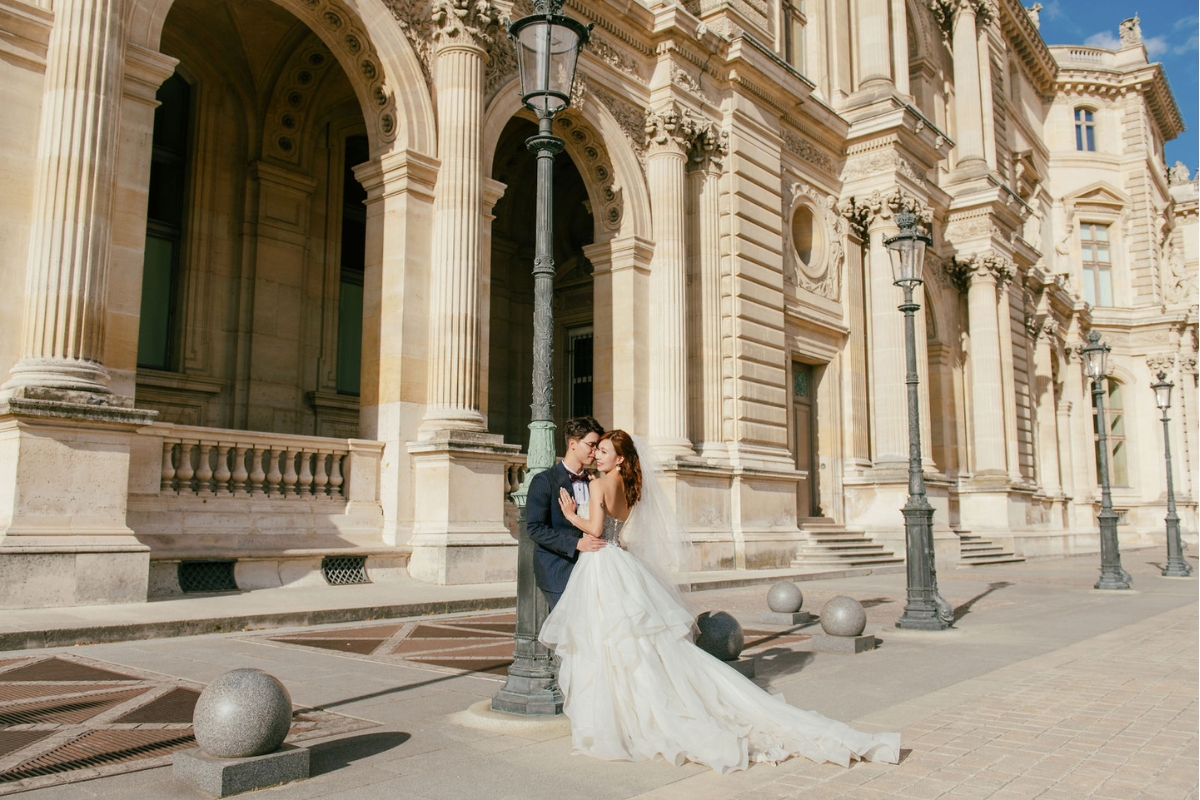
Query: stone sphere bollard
x=785 y=597
x=243 y=713
x=720 y=635
x=843 y=616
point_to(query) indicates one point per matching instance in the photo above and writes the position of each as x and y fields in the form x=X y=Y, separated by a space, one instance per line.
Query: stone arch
x=372 y=50
x=605 y=158
x=288 y=118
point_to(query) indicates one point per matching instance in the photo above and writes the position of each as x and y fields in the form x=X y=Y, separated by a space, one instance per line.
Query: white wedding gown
x=637 y=688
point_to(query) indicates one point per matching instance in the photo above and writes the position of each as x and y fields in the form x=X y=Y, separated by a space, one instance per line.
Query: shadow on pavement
x=876 y=601
x=964 y=609
x=384 y=692
x=341 y=753
x=778 y=662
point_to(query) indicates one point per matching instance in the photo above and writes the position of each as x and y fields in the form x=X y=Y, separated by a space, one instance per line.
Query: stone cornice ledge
x=24 y=33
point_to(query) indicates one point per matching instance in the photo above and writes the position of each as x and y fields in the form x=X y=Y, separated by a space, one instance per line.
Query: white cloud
x=1053 y=10
x=1157 y=47
x=1104 y=39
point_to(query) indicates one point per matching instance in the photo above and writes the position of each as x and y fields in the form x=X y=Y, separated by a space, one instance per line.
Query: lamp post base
x=1112 y=574
x=925 y=609
x=1176 y=567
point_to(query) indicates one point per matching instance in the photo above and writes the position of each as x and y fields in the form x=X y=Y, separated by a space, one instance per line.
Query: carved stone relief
x=806 y=150
x=821 y=272
x=875 y=162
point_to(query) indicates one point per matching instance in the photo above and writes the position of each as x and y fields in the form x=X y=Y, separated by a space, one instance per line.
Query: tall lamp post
x=1176 y=566
x=548 y=45
x=1112 y=574
x=925 y=610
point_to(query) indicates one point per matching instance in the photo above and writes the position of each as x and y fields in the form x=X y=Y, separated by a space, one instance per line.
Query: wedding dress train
x=637 y=688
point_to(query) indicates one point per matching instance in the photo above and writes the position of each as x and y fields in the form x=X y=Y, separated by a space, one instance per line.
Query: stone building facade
x=266 y=304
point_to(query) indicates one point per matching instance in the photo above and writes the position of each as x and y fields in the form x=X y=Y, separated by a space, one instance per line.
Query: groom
x=558 y=542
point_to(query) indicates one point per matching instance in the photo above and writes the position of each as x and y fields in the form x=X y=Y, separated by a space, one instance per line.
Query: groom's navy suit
x=556 y=539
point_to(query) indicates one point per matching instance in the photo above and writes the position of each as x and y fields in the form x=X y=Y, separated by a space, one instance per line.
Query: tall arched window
x=164 y=226
x=353 y=261
x=1118 y=461
x=1085 y=130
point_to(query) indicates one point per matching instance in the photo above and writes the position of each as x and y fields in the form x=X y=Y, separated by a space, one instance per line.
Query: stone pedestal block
x=459 y=535
x=64 y=475
x=843 y=644
x=783 y=618
x=744 y=665
x=223 y=777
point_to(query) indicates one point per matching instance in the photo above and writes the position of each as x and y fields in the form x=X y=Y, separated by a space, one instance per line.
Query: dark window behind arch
x=165 y=214
x=353 y=264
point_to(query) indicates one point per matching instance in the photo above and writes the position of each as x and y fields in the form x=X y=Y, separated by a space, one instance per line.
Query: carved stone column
x=1008 y=381
x=987 y=387
x=461 y=31
x=709 y=147
x=1044 y=402
x=667 y=139
x=68 y=257
x=874 y=42
x=968 y=98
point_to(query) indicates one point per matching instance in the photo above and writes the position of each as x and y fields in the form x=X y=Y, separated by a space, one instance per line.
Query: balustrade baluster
x=335 y=476
x=222 y=473
x=185 y=471
x=239 y=475
x=273 y=475
x=204 y=472
x=168 y=467
x=306 y=475
x=258 y=474
x=321 y=479
x=289 y=475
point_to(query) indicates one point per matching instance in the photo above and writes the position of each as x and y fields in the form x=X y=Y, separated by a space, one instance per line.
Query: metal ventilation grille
x=100 y=747
x=344 y=570
x=207 y=576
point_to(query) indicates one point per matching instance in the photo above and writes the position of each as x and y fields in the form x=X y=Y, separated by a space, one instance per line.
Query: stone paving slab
x=1045 y=689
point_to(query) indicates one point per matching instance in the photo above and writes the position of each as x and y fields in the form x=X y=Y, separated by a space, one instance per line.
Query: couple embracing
x=609 y=559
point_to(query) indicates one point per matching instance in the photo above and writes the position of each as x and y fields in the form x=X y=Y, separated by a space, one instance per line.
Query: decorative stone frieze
x=879 y=161
x=630 y=118
x=1161 y=362
x=806 y=150
x=946 y=12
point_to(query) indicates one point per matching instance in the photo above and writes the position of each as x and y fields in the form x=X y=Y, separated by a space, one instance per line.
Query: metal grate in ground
x=482 y=644
x=65 y=719
x=344 y=570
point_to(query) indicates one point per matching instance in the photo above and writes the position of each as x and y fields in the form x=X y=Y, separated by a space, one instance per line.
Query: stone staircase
x=827 y=543
x=977 y=551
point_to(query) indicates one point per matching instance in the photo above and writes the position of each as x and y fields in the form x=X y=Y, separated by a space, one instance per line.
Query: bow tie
x=581 y=478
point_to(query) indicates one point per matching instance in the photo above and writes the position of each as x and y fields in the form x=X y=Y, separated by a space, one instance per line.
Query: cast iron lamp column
x=1176 y=567
x=548 y=46
x=925 y=610
x=1112 y=574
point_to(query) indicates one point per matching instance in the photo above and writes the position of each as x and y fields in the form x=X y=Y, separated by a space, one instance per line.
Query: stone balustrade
x=210 y=463
x=1083 y=55
x=514 y=473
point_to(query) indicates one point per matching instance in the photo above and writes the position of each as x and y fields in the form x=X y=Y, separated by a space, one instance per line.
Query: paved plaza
x=1045 y=688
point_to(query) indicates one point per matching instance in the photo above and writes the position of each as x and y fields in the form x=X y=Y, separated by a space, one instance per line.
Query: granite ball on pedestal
x=843 y=616
x=720 y=635
x=785 y=597
x=243 y=713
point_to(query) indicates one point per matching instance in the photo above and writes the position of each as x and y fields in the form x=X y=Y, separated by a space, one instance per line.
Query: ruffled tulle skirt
x=636 y=687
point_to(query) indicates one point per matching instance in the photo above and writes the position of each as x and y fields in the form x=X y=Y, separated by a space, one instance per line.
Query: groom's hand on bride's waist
x=589 y=544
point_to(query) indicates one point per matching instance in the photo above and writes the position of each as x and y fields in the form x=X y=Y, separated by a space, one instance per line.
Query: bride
x=635 y=686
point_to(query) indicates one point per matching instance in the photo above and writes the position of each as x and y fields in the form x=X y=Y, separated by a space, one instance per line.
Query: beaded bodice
x=612 y=530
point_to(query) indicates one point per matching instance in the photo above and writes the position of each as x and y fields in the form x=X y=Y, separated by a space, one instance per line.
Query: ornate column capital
x=863 y=214
x=668 y=129
x=458 y=23
x=708 y=145
x=947 y=12
x=980 y=266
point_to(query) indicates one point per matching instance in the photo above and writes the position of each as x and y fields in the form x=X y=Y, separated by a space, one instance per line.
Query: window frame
x=1085 y=126
x=1093 y=271
x=1117 y=442
x=792 y=15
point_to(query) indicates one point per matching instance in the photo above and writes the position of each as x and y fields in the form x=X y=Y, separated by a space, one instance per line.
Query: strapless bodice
x=612 y=530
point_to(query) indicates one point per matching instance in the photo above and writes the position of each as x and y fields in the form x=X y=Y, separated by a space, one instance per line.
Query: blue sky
x=1169 y=31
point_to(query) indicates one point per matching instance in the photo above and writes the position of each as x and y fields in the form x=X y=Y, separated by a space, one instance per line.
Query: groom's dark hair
x=579 y=427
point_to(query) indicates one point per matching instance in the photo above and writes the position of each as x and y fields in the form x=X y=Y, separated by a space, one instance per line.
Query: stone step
x=1006 y=558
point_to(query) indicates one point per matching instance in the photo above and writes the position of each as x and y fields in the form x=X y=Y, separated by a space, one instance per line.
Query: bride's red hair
x=630 y=468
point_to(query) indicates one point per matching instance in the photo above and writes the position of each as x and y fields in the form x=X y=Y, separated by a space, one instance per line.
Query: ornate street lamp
x=1112 y=574
x=548 y=45
x=1176 y=567
x=925 y=610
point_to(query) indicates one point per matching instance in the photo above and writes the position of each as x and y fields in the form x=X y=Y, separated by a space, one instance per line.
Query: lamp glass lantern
x=1095 y=357
x=1162 y=391
x=548 y=46
x=907 y=251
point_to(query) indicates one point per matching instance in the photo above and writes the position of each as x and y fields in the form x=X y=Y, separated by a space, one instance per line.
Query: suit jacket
x=555 y=539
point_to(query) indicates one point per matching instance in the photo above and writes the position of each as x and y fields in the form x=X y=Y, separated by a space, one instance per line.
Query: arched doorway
x=510 y=314
x=252 y=290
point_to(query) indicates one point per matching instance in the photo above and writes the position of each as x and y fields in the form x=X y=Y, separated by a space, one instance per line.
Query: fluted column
x=67 y=265
x=889 y=411
x=874 y=42
x=1047 y=416
x=987 y=405
x=1008 y=380
x=968 y=99
x=453 y=392
x=709 y=148
x=666 y=160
